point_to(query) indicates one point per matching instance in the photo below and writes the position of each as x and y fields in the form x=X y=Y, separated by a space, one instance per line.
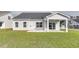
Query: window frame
x=9 y=17
x=39 y=24
x=16 y=24
x=24 y=24
x=1 y=24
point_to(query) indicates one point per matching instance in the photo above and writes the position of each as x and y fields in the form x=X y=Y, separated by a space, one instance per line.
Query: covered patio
x=57 y=23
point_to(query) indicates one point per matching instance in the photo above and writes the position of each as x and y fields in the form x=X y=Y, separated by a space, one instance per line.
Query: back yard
x=19 y=39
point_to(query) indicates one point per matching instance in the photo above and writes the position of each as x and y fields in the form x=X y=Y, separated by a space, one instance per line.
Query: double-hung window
x=1 y=24
x=9 y=18
x=39 y=24
x=16 y=24
x=24 y=24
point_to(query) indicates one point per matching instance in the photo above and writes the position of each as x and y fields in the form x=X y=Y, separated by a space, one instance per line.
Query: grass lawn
x=19 y=39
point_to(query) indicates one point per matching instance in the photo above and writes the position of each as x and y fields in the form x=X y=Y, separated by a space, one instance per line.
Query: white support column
x=66 y=25
x=58 y=25
x=47 y=25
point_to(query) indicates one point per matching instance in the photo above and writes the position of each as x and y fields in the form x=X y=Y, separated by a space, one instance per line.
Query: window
x=70 y=22
x=1 y=24
x=54 y=25
x=24 y=24
x=71 y=17
x=77 y=17
x=9 y=17
x=74 y=17
x=16 y=24
x=39 y=24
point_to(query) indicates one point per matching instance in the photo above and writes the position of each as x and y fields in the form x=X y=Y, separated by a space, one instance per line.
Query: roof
x=59 y=13
x=71 y=13
x=77 y=20
x=2 y=13
x=32 y=15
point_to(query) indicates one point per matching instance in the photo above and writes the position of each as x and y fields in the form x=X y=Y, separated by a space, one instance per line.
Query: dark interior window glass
x=9 y=17
x=1 y=24
x=16 y=24
x=24 y=24
x=39 y=24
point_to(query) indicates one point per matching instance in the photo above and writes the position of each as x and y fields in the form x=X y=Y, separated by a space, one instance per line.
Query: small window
x=39 y=24
x=16 y=24
x=77 y=17
x=24 y=24
x=1 y=24
x=9 y=17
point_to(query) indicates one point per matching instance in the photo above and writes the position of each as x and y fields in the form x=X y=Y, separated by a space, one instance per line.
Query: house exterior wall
x=74 y=23
x=57 y=18
x=31 y=25
x=3 y=25
x=6 y=22
x=58 y=26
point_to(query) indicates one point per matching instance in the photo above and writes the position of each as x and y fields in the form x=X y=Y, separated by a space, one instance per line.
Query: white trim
x=66 y=25
x=56 y=13
x=47 y=25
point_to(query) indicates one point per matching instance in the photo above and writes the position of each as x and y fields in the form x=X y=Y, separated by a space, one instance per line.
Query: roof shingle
x=32 y=15
x=2 y=13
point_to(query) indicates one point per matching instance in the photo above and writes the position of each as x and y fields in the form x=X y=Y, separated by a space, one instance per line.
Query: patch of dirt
x=4 y=46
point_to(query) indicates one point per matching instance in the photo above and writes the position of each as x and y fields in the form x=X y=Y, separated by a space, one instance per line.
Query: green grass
x=22 y=39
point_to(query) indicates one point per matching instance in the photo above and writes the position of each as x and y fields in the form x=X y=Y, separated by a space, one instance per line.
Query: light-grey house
x=5 y=20
x=55 y=21
x=41 y=22
x=74 y=18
